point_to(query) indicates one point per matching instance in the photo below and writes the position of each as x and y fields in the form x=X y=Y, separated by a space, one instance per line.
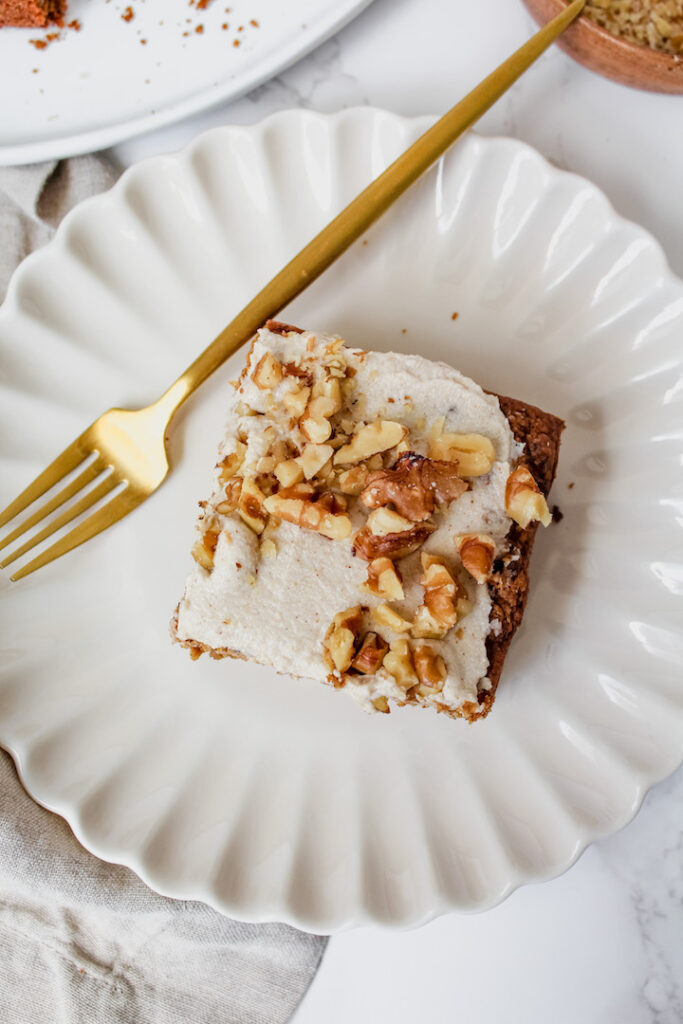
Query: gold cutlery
x=123 y=453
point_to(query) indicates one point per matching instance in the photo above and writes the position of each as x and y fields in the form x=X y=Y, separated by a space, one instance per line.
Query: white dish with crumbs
x=114 y=78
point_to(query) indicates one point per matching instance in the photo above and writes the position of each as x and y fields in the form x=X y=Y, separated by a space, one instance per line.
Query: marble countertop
x=603 y=944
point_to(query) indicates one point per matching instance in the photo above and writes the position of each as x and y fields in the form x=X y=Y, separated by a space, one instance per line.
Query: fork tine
x=76 y=485
x=63 y=464
x=84 y=503
x=116 y=509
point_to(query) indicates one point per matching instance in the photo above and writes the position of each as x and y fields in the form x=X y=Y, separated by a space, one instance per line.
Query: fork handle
x=364 y=210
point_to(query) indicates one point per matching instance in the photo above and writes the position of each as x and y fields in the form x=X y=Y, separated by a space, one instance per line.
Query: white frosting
x=277 y=610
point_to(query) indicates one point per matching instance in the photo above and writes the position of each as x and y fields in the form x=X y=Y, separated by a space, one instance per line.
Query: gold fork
x=123 y=453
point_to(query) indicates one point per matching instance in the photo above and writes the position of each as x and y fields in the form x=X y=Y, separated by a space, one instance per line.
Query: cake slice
x=370 y=524
x=31 y=13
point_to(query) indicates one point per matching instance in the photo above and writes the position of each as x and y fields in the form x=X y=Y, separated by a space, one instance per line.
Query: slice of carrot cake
x=370 y=524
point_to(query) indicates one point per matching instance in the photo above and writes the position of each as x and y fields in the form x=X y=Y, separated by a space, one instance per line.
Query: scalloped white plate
x=279 y=799
x=99 y=86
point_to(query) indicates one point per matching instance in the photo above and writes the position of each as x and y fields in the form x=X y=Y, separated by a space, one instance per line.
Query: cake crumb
x=128 y=14
x=454 y=316
x=75 y=25
x=254 y=22
x=570 y=485
x=199 y=29
x=235 y=42
x=558 y=515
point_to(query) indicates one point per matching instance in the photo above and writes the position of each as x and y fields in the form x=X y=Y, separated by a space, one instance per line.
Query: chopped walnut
x=329 y=389
x=295 y=401
x=204 y=549
x=383 y=520
x=231 y=463
x=251 y=505
x=233 y=489
x=289 y=472
x=315 y=424
x=398 y=662
x=414 y=486
x=384 y=580
x=473 y=453
x=340 y=639
x=278 y=327
x=368 y=545
x=444 y=600
x=524 y=501
x=381 y=704
x=268 y=372
x=430 y=668
x=326 y=514
x=313 y=458
x=476 y=551
x=370 y=440
x=352 y=481
x=371 y=654
x=385 y=615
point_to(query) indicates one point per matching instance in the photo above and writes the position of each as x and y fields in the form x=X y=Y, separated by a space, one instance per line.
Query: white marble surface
x=604 y=943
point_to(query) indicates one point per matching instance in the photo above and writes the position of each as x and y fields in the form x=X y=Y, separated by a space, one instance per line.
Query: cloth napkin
x=81 y=941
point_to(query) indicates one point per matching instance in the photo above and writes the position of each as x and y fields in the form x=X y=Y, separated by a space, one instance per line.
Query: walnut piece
x=204 y=549
x=268 y=372
x=315 y=424
x=430 y=668
x=251 y=505
x=368 y=545
x=295 y=401
x=385 y=615
x=233 y=489
x=352 y=481
x=445 y=600
x=384 y=580
x=371 y=654
x=289 y=472
x=369 y=440
x=380 y=704
x=399 y=664
x=524 y=501
x=340 y=639
x=473 y=453
x=313 y=458
x=414 y=486
x=384 y=520
x=476 y=551
x=329 y=389
x=326 y=513
x=229 y=466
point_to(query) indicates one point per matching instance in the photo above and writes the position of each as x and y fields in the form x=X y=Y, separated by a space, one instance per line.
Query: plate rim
x=359 y=916
x=340 y=13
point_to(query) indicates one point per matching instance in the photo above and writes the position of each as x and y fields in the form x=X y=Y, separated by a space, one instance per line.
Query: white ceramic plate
x=279 y=799
x=98 y=86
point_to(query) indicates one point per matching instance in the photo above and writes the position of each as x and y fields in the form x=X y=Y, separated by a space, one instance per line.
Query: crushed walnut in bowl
x=634 y=42
x=654 y=23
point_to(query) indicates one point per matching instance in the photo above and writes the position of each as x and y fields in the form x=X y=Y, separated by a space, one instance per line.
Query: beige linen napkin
x=82 y=941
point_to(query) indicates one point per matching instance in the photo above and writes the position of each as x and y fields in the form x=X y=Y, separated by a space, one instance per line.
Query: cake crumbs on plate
x=128 y=14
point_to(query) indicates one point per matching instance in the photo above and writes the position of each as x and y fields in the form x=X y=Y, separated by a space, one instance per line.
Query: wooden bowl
x=599 y=50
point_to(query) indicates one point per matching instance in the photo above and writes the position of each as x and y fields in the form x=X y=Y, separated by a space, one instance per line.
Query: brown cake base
x=31 y=13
